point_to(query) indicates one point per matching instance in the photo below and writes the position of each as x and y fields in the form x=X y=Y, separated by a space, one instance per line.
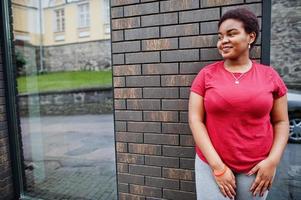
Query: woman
x=238 y=116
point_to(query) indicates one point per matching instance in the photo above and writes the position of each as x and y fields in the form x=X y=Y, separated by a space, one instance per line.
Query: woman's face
x=233 y=41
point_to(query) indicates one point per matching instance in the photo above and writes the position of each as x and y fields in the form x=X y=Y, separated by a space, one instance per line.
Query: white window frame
x=59 y=20
x=83 y=15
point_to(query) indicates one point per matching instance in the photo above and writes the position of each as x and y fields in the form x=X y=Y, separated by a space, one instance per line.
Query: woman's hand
x=226 y=183
x=266 y=170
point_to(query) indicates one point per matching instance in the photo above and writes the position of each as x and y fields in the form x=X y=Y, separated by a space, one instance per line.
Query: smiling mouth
x=226 y=49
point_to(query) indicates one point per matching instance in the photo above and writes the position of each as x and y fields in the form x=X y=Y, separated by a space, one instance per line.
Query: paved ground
x=72 y=157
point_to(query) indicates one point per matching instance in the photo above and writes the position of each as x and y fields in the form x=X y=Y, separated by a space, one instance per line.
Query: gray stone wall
x=286 y=40
x=93 y=55
x=73 y=102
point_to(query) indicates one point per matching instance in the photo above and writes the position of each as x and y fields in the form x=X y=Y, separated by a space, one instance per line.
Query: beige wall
x=26 y=22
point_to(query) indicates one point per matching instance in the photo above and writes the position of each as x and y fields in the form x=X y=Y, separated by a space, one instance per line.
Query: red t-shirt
x=237 y=116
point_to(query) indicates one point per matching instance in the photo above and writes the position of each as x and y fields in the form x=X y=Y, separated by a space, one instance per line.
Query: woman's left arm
x=266 y=169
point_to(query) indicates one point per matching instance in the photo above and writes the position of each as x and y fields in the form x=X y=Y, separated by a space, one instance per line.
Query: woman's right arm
x=196 y=122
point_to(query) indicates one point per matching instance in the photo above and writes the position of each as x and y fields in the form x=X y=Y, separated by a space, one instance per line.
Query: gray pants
x=207 y=189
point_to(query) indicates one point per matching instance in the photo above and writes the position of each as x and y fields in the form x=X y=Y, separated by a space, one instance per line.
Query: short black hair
x=248 y=18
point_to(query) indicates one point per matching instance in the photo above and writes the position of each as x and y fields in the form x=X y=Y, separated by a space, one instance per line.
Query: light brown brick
x=165 y=116
x=145 y=149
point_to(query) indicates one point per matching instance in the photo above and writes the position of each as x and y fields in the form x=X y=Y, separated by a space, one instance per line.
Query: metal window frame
x=266 y=32
x=10 y=98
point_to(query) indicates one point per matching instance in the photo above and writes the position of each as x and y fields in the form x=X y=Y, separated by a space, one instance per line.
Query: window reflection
x=65 y=98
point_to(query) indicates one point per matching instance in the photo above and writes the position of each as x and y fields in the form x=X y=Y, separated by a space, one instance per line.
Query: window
x=106 y=16
x=83 y=15
x=59 y=20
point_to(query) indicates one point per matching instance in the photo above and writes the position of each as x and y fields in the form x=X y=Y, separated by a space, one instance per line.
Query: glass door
x=64 y=82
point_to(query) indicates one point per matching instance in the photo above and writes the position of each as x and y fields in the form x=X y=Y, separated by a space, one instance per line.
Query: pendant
x=236 y=82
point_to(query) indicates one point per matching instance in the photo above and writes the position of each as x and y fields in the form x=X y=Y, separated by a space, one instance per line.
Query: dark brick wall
x=6 y=184
x=157 y=49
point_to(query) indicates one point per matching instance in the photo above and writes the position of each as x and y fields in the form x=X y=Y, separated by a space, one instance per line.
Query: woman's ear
x=252 y=37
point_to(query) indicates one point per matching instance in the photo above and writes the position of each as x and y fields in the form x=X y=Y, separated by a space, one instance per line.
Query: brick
x=176 y=151
x=183 y=174
x=255 y=52
x=171 y=104
x=160 y=92
x=199 y=15
x=126 y=196
x=176 y=128
x=130 y=178
x=125 y=70
x=175 y=5
x=122 y=167
x=159 y=44
x=128 y=115
x=184 y=92
x=192 y=67
x=198 y=41
x=123 y=93
x=116 y=12
x=153 y=198
x=145 y=170
x=209 y=27
x=165 y=116
x=145 y=190
x=210 y=3
x=142 y=81
x=178 y=195
x=145 y=57
x=150 y=138
x=188 y=186
x=180 y=30
x=119 y=104
x=143 y=104
x=141 y=9
x=160 y=68
x=117 y=36
x=162 y=182
x=142 y=33
x=121 y=147
x=124 y=23
x=153 y=127
x=145 y=149
x=118 y=59
x=183 y=116
x=120 y=126
x=161 y=161
x=186 y=140
x=180 y=55
x=121 y=47
x=187 y=163
x=123 y=187
x=119 y=81
x=159 y=19
x=210 y=54
x=123 y=2
x=177 y=80
x=130 y=158
x=255 y=8
x=129 y=137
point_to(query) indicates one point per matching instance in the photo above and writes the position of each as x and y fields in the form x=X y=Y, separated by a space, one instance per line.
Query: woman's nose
x=225 y=39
